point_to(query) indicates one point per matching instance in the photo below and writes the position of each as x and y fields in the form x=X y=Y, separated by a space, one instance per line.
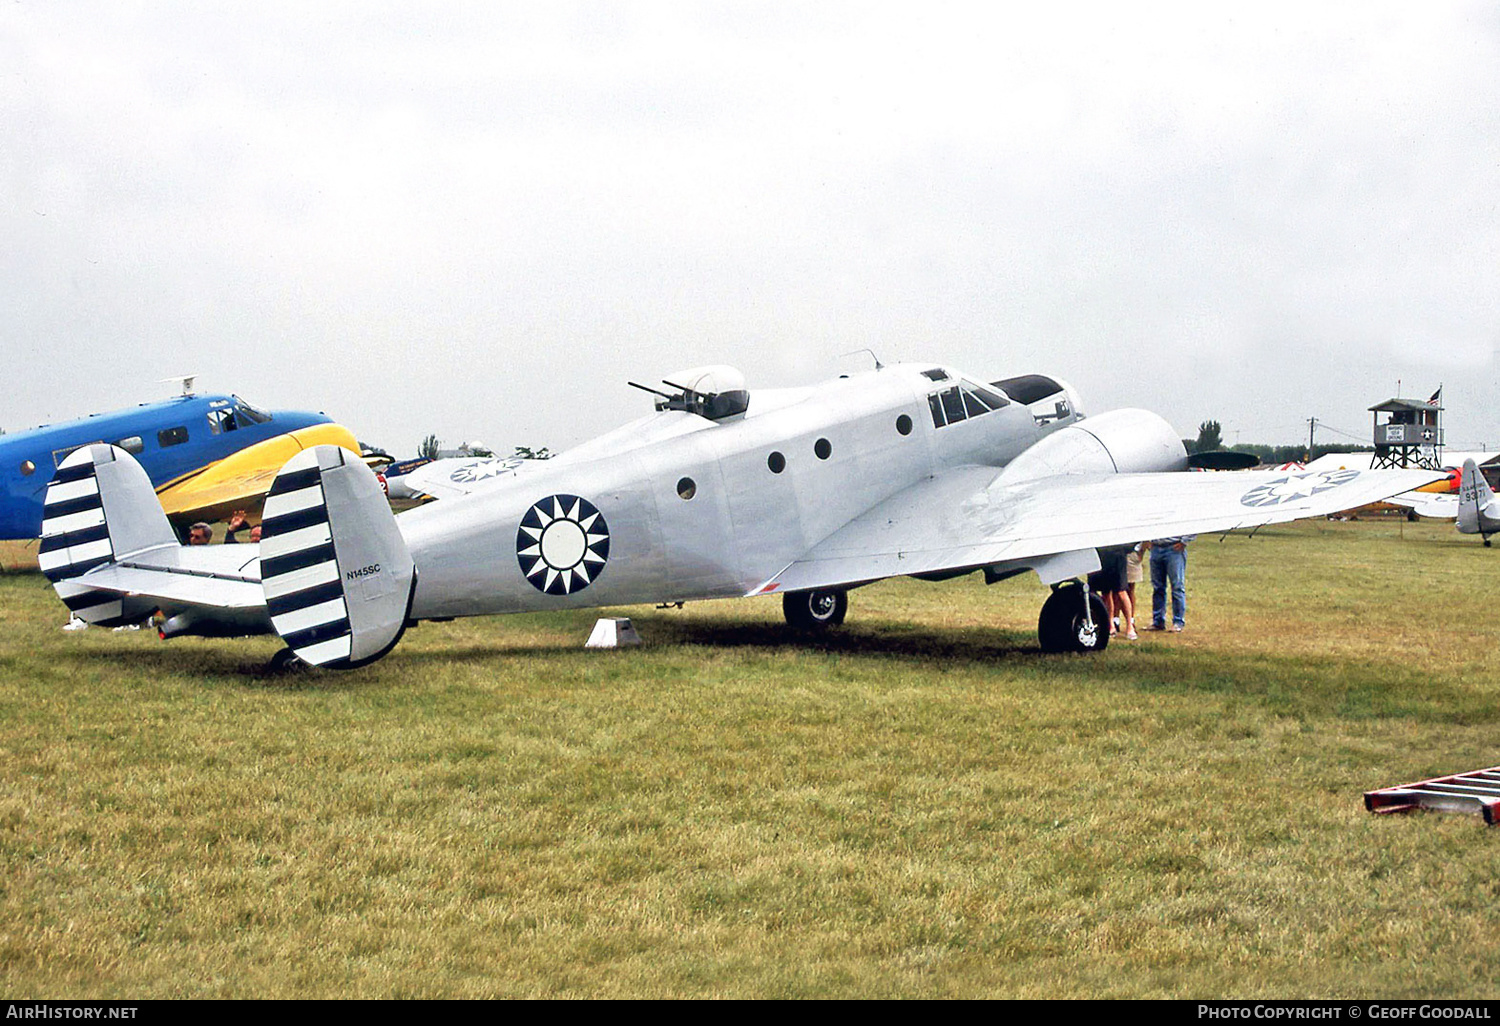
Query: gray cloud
x=479 y=220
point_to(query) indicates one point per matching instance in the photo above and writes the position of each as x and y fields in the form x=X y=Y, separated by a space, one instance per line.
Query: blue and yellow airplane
x=206 y=455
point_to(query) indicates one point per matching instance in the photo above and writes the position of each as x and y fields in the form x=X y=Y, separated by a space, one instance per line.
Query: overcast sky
x=479 y=219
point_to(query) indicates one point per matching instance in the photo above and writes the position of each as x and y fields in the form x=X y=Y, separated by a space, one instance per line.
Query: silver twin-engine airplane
x=914 y=470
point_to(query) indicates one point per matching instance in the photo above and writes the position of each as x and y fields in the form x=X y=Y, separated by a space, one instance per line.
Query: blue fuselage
x=170 y=439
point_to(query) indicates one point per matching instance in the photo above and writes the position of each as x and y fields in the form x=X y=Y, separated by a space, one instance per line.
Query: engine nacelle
x=216 y=623
x=1117 y=442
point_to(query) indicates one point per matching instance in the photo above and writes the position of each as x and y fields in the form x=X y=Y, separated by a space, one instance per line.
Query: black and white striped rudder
x=337 y=576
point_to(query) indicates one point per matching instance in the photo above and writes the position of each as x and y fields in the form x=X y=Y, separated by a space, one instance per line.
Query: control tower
x=1412 y=435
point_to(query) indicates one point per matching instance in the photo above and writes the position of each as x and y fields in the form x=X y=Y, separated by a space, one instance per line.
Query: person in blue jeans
x=1169 y=564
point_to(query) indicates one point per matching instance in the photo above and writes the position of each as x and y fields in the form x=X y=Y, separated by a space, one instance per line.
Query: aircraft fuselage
x=169 y=439
x=677 y=507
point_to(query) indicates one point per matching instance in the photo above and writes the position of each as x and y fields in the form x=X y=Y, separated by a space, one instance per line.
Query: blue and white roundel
x=562 y=545
x=1296 y=486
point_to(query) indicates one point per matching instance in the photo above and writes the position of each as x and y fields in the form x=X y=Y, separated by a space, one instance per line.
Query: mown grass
x=923 y=805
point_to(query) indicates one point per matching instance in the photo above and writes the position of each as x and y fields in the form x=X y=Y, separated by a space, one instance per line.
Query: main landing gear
x=1073 y=617
x=815 y=610
x=1073 y=620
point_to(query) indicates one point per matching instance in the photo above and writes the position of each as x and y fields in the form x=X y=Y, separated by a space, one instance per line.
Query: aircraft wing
x=240 y=481
x=974 y=517
x=1427 y=504
x=456 y=476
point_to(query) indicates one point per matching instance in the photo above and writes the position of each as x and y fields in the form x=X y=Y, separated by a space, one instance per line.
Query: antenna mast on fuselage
x=186 y=381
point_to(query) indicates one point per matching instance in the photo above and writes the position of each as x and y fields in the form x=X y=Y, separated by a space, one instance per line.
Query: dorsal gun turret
x=714 y=393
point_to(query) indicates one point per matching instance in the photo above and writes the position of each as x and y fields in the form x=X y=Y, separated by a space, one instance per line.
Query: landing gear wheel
x=285 y=661
x=1062 y=626
x=814 y=610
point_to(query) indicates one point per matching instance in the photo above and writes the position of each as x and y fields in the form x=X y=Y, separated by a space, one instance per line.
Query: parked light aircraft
x=206 y=455
x=1435 y=501
x=805 y=493
x=1478 y=509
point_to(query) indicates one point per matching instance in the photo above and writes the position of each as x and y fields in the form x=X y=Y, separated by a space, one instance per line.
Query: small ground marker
x=613 y=632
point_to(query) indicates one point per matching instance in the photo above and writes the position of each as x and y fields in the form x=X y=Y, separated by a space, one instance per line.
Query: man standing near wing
x=1169 y=564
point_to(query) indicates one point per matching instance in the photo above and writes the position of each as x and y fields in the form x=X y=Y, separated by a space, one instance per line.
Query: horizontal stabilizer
x=337 y=577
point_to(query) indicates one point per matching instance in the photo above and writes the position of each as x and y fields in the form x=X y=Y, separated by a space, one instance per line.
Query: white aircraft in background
x=1478 y=509
x=1439 y=500
x=914 y=470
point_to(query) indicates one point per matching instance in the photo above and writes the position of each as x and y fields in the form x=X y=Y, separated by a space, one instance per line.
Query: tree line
x=1211 y=438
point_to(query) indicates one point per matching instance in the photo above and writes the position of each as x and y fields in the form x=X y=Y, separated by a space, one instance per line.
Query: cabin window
x=777 y=462
x=903 y=424
x=823 y=448
x=686 y=488
x=132 y=445
x=27 y=468
x=58 y=455
x=171 y=436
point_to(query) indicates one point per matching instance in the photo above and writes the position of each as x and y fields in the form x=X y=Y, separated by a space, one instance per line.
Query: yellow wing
x=240 y=481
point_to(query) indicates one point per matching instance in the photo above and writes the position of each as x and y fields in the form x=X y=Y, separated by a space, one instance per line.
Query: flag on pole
x=1436 y=396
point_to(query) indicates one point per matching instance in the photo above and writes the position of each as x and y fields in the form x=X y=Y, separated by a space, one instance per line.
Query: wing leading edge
x=972 y=517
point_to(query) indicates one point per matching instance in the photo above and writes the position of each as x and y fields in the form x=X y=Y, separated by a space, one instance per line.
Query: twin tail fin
x=338 y=578
x=100 y=509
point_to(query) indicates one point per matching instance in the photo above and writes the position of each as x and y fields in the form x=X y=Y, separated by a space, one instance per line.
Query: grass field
x=922 y=806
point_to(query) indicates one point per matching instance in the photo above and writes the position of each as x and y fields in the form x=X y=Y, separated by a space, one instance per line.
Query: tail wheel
x=285 y=661
x=1063 y=627
x=815 y=610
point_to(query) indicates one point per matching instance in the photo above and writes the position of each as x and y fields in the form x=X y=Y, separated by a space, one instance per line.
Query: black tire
x=815 y=610
x=285 y=661
x=1062 y=626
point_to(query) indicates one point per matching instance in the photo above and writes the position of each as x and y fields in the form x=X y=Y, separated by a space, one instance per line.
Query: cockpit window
x=1028 y=388
x=936 y=402
x=992 y=400
x=963 y=402
x=953 y=406
x=249 y=414
x=936 y=374
x=221 y=420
